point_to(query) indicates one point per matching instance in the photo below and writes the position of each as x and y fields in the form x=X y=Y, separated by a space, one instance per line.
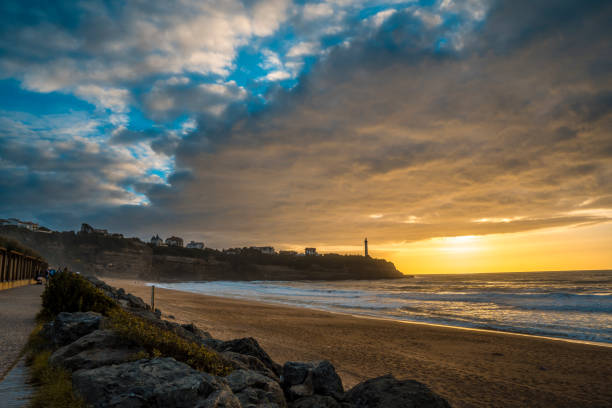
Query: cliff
x=90 y=254
x=96 y=254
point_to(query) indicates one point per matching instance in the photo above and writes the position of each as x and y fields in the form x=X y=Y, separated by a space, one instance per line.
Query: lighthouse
x=366 y=247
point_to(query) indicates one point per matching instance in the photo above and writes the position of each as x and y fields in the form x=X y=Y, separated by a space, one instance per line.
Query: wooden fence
x=17 y=269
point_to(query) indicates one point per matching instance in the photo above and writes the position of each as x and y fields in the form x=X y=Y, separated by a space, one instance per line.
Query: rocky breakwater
x=112 y=369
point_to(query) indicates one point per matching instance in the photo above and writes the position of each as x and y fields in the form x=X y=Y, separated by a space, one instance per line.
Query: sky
x=458 y=136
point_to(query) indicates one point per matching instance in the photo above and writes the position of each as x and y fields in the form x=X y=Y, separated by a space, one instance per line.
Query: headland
x=112 y=255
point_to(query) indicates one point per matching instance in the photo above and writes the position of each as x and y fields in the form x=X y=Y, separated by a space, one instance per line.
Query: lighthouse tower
x=366 y=248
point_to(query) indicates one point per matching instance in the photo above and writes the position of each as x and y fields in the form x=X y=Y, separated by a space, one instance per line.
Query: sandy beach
x=468 y=367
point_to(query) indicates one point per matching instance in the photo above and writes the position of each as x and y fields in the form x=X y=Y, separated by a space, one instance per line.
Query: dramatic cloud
x=515 y=127
x=402 y=123
x=48 y=163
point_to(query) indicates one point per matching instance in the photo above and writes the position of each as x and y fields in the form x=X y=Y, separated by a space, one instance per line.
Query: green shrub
x=69 y=292
x=160 y=342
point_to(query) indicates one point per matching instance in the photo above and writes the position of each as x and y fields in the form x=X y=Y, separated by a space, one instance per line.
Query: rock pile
x=107 y=371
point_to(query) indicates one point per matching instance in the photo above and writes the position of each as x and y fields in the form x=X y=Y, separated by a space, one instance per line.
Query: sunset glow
x=556 y=249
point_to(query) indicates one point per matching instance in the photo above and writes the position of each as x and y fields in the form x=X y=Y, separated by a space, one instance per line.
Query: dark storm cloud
x=47 y=167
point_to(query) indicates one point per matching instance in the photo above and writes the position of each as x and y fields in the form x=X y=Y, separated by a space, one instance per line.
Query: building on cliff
x=174 y=241
x=310 y=251
x=195 y=245
x=88 y=229
x=156 y=240
x=32 y=226
x=267 y=250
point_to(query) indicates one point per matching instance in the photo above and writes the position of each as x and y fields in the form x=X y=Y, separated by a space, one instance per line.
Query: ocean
x=571 y=305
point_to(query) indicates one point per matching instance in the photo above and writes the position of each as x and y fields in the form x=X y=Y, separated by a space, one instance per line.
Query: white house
x=156 y=240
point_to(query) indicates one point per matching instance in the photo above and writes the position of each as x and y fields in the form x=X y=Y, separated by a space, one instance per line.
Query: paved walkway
x=18 y=309
x=15 y=391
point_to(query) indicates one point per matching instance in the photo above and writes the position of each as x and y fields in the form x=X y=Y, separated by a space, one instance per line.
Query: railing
x=16 y=267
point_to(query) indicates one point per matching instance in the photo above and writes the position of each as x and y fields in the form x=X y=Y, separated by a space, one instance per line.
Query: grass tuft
x=54 y=384
x=159 y=342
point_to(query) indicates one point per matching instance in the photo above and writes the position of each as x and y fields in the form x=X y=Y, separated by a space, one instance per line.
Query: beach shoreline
x=389 y=319
x=469 y=367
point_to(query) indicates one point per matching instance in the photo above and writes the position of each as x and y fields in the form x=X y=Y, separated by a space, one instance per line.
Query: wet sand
x=468 y=367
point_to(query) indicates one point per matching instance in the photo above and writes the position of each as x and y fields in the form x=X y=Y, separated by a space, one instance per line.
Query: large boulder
x=96 y=349
x=196 y=331
x=188 y=332
x=160 y=382
x=245 y=362
x=250 y=347
x=255 y=390
x=214 y=344
x=134 y=301
x=67 y=327
x=107 y=289
x=388 y=392
x=127 y=300
x=303 y=379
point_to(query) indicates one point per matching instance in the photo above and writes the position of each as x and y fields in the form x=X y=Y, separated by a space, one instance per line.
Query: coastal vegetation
x=159 y=342
x=53 y=383
x=70 y=292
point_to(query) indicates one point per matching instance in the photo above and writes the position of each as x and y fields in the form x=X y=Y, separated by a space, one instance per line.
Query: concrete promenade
x=18 y=308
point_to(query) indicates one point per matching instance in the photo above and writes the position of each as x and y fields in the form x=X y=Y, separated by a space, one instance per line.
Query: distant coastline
x=116 y=256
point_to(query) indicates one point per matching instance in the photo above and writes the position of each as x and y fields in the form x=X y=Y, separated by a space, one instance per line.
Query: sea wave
x=574 y=305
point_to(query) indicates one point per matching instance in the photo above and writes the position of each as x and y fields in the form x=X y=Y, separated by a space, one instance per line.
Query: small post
x=153 y=298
